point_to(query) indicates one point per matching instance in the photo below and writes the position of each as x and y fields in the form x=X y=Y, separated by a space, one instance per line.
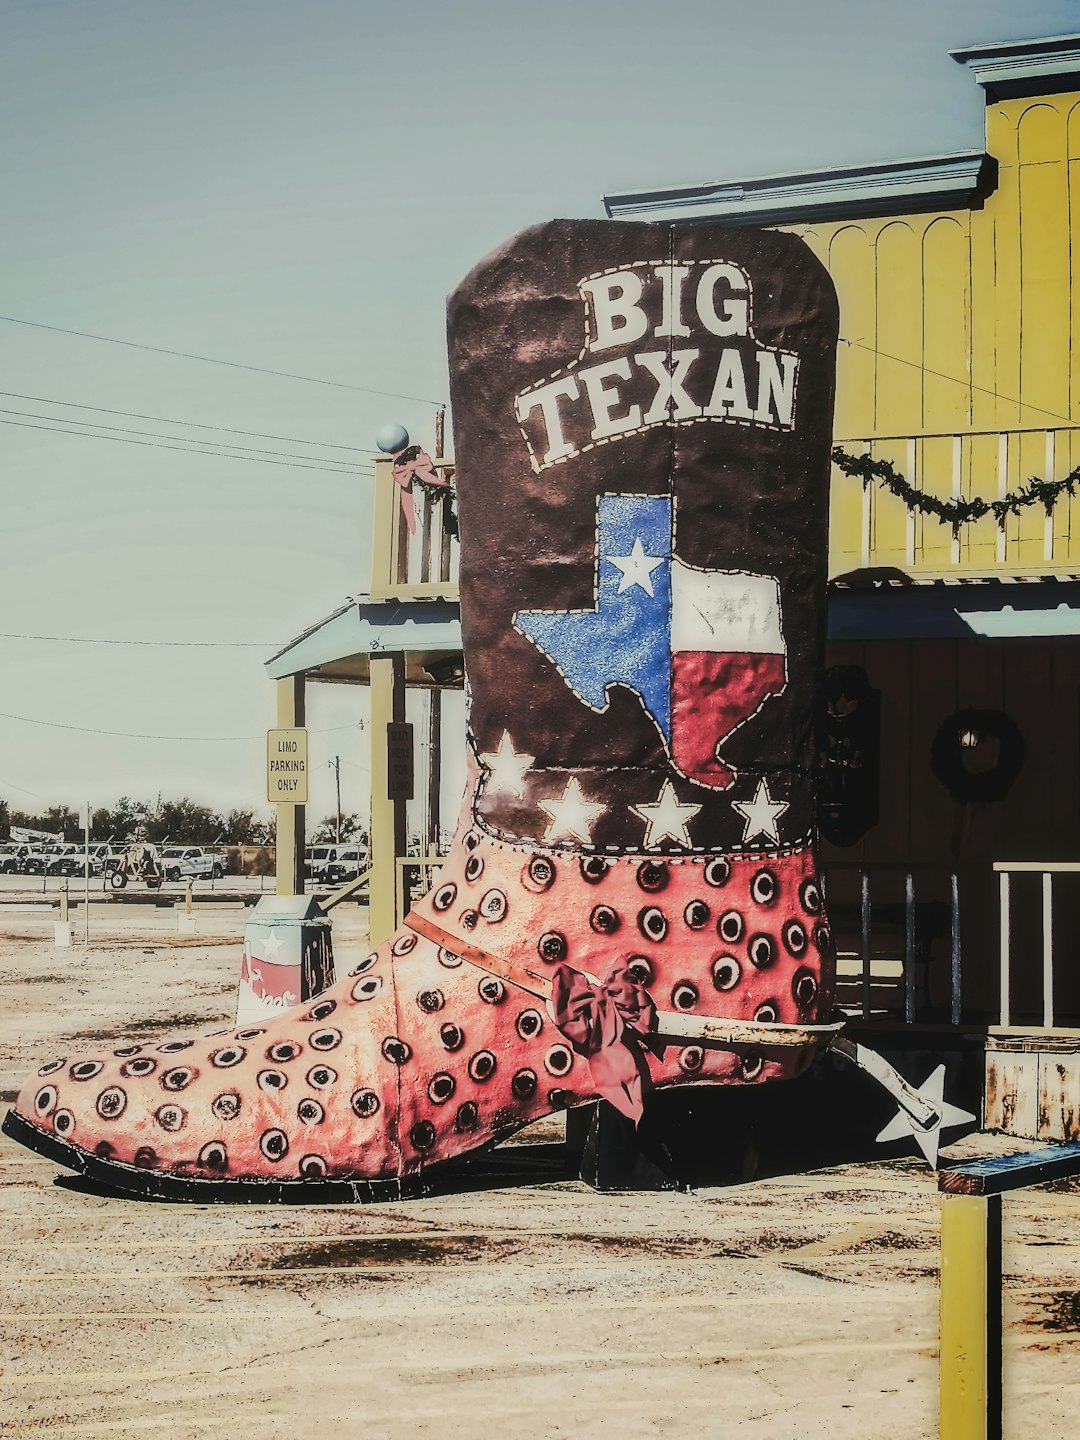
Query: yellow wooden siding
x=958 y=363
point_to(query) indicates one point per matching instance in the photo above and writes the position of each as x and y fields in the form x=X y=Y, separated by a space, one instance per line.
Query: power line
x=165 y=644
x=956 y=380
x=183 y=449
x=349 y=466
x=171 y=420
x=213 y=360
x=137 y=735
x=9 y=785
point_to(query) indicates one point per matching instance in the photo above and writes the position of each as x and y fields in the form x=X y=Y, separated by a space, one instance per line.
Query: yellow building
x=958 y=296
x=950 y=718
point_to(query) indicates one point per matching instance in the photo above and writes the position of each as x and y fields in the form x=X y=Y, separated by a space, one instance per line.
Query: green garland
x=955 y=512
x=446 y=498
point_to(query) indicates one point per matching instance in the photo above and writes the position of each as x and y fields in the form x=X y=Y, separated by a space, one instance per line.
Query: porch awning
x=864 y=607
x=339 y=648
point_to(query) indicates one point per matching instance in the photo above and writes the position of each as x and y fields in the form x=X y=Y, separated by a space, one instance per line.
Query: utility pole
x=86 y=880
x=335 y=765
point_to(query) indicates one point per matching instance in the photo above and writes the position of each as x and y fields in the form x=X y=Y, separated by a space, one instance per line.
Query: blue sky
x=298 y=187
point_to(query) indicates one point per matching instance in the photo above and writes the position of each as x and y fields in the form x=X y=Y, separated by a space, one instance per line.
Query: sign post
x=86 y=879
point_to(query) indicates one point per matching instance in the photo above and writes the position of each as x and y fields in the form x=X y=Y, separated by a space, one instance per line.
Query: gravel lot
x=801 y=1305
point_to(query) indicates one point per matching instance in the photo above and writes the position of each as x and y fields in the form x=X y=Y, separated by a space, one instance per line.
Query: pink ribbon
x=411 y=464
x=603 y=1022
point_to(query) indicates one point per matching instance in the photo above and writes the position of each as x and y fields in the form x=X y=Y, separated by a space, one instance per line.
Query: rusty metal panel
x=1059 y=1095
x=1011 y=1102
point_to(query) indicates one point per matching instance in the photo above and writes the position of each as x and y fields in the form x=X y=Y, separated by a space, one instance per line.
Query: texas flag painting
x=702 y=649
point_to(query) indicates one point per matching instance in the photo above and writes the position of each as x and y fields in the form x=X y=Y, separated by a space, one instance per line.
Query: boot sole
x=151 y=1185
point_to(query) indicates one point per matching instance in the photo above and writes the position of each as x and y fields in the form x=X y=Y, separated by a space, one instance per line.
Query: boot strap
x=672 y=1025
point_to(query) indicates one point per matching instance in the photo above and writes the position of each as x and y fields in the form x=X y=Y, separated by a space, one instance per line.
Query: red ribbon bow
x=602 y=1021
x=411 y=464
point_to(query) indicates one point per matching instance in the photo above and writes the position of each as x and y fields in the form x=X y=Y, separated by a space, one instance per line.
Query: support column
x=387 y=816
x=434 y=790
x=290 y=818
x=970 y=1382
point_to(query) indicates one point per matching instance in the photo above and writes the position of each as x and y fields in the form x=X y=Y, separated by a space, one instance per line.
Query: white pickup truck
x=71 y=860
x=180 y=861
x=349 y=862
x=13 y=858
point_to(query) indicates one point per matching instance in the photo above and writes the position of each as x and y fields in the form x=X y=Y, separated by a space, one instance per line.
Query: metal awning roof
x=862 y=606
x=987 y=608
x=339 y=648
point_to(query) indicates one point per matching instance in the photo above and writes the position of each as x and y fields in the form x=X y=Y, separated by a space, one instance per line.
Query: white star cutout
x=928 y=1140
x=507 y=768
x=666 y=819
x=572 y=816
x=270 y=946
x=637 y=567
x=760 y=814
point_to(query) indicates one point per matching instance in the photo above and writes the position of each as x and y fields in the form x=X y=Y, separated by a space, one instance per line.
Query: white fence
x=1047 y=869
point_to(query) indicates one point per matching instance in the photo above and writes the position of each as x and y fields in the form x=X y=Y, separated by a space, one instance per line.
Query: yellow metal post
x=290 y=818
x=387 y=816
x=970 y=1366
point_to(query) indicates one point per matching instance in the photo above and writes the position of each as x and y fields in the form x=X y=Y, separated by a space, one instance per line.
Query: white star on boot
x=760 y=814
x=666 y=819
x=637 y=567
x=902 y=1124
x=572 y=816
x=507 y=769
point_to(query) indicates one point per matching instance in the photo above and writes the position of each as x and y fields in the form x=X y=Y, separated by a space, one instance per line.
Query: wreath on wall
x=959 y=740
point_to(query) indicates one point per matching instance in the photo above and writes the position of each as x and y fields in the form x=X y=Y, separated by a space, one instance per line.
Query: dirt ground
x=798 y=1306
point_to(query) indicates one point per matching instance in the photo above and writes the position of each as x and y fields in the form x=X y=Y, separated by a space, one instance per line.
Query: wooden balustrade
x=412 y=566
x=871 y=528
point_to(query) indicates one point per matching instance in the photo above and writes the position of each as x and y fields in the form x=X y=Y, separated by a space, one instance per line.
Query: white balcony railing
x=871 y=527
x=1046 y=869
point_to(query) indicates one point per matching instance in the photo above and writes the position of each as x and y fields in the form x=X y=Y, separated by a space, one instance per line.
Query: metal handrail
x=909 y=871
x=343 y=892
x=403 y=892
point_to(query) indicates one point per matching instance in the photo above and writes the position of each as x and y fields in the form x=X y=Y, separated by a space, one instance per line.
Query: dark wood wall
x=921 y=826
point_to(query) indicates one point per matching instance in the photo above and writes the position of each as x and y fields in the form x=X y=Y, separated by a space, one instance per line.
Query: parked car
x=350 y=862
x=180 y=861
x=316 y=859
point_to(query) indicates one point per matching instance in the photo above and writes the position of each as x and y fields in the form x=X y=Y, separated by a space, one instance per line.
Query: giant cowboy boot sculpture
x=642 y=418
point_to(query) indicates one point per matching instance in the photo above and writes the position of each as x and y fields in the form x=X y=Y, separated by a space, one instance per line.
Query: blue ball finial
x=392 y=438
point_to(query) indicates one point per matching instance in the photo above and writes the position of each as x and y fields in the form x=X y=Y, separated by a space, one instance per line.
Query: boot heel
x=621 y=1156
